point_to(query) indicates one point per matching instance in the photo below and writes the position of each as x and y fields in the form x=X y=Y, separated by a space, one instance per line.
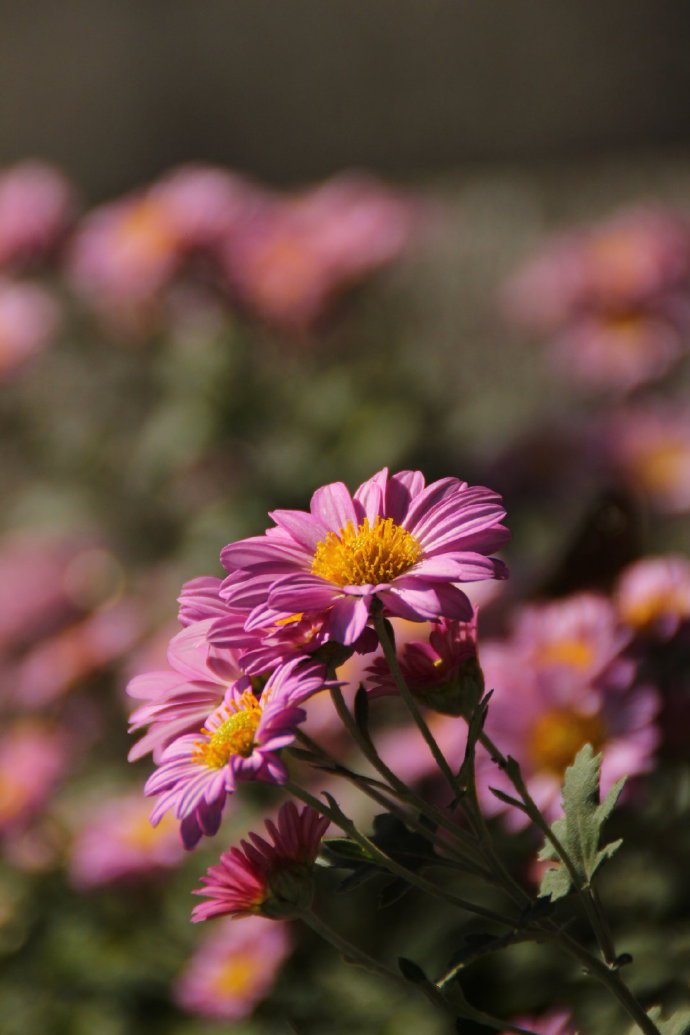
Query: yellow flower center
x=558 y=735
x=234 y=736
x=366 y=555
x=236 y=976
x=147 y=231
x=644 y=612
x=139 y=834
x=573 y=653
x=661 y=466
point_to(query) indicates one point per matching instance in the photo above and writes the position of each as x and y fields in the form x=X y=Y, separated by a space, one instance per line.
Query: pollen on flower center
x=234 y=736
x=558 y=735
x=366 y=555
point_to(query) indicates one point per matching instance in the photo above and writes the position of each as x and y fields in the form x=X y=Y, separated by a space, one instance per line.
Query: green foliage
x=677 y=1024
x=579 y=831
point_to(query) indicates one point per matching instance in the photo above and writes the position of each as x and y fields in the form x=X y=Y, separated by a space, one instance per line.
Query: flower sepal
x=291 y=892
x=460 y=695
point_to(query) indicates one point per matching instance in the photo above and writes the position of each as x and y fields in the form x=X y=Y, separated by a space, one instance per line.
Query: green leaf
x=344 y=848
x=579 y=831
x=412 y=972
x=555 y=883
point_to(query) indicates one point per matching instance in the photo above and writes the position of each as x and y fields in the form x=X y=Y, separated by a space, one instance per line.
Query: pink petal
x=333 y=505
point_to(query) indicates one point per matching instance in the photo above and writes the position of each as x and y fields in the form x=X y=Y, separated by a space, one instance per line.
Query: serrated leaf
x=606 y=808
x=548 y=853
x=555 y=883
x=579 y=831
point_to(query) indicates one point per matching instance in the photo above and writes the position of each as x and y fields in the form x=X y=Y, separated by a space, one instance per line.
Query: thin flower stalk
x=391 y=657
x=402 y=791
x=337 y=816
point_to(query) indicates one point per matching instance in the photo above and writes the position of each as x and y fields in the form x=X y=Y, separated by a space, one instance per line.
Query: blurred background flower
x=263 y=249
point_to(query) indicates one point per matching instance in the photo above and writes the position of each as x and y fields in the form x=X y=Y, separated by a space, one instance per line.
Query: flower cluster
x=296 y=601
x=615 y=298
x=199 y=243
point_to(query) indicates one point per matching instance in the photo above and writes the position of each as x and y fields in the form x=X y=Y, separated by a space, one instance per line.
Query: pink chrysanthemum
x=118 y=843
x=396 y=540
x=279 y=639
x=636 y=257
x=614 y=350
x=615 y=296
x=290 y=257
x=441 y=669
x=270 y=877
x=653 y=595
x=178 y=700
x=233 y=969
x=36 y=208
x=241 y=740
x=557 y=692
x=650 y=447
x=33 y=759
x=573 y=642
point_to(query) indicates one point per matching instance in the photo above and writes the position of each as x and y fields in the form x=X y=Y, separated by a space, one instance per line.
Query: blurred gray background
x=115 y=91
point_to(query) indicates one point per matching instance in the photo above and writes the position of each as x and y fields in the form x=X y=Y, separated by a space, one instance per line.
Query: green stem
x=337 y=816
x=604 y=972
x=590 y=902
x=351 y=953
x=379 y=792
x=405 y=793
x=611 y=980
x=391 y=657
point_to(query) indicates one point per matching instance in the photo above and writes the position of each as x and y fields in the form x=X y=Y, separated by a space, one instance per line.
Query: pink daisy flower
x=33 y=759
x=440 y=670
x=271 y=877
x=650 y=446
x=36 y=209
x=291 y=257
x=616 y=297
x=555 y=694
x=279 y=639
x=396 y=540
x=620 y=350
x=574 y=641
x=59 y=662
x=203 y=203
x=233 y=969
x=118 y=843
x=638 y=256
x=179 y=699
x=241 y=740
x=653 y=595
x=128 y=252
